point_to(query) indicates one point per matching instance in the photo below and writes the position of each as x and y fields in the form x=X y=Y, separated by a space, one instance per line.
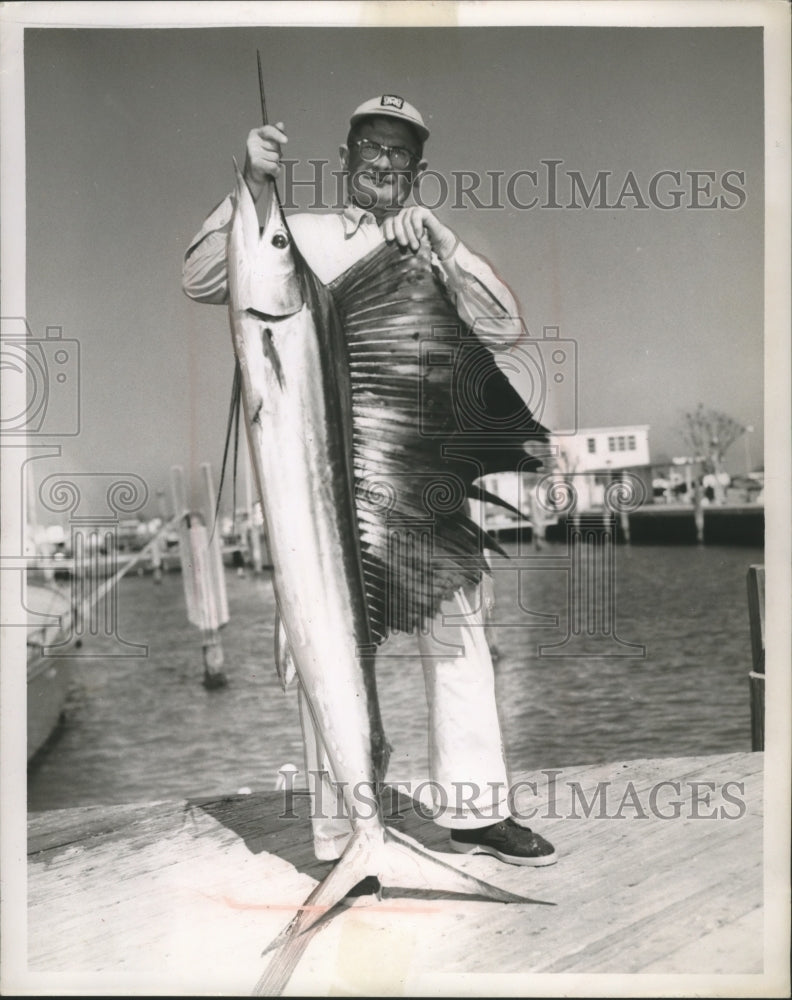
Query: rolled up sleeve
x=205 y=269
x=481 y=299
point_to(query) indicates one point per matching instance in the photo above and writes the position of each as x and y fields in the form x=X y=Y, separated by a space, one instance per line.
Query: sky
x=130 y=135
x=129 y=139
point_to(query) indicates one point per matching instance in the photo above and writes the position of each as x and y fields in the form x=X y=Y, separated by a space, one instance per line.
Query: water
x=139 y=729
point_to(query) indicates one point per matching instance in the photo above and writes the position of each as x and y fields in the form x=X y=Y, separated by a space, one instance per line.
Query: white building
x=595 y=456
x=589 y=459
x=598 y=449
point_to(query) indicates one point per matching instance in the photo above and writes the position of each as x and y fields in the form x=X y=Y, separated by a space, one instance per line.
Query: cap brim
x=422 y=130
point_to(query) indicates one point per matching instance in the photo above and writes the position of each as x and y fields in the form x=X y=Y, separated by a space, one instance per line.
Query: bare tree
x=710 y=433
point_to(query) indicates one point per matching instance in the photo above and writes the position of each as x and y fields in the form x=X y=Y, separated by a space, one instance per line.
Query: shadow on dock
x=660 y=871
x=279 y=823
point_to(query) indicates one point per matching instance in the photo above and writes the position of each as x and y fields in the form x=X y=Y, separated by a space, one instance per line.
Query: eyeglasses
x=400 y=157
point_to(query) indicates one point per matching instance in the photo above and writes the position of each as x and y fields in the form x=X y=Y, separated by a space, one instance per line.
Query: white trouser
x=466 y=762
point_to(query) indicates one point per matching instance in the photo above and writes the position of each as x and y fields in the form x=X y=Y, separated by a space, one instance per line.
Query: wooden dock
x=182 y=897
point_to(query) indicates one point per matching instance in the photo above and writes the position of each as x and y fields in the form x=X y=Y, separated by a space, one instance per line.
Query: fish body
x=296 y=419
x=295 y=393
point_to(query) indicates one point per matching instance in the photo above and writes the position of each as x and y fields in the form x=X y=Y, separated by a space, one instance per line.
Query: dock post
x=205 y=609
x=254 y=534
x=624 y=519
x=538 y=519
x=218 y=596
x=178 y=491
x=157 y=551
x=756 y=677
x=698 y=512
x=155 y=560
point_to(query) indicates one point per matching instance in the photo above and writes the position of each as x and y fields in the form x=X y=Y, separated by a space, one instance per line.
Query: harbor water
x=663 y=673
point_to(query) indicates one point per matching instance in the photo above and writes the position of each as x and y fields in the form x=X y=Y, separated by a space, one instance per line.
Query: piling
x=756 y=677
x=203 y=581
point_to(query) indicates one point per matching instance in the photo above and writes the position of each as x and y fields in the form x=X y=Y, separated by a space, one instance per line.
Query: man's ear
x=343 y=153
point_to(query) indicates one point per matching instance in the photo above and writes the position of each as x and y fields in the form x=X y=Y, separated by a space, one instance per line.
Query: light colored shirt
x=333 y=242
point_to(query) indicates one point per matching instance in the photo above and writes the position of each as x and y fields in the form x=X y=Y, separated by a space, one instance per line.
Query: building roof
x=582 y=431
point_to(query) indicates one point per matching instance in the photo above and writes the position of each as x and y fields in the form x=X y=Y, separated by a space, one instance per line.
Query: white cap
x=392 y=106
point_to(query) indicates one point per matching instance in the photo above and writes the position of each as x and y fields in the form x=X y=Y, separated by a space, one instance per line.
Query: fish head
x=262 y=271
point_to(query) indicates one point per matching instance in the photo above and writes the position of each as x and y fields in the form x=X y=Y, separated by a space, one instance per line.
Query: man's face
x=376 y=185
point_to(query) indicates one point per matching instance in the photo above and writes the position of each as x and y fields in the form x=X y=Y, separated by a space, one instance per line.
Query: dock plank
x=192 y=892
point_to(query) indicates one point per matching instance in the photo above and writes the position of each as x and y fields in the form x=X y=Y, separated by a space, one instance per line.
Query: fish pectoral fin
x=408 y=865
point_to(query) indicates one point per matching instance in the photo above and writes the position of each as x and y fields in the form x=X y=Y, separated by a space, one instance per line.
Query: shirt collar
x=353 y=218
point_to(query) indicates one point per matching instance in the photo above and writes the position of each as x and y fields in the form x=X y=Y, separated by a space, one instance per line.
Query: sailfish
x=329 y=377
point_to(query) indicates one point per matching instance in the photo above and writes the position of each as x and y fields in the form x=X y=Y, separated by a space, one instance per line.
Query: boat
x=50 y=655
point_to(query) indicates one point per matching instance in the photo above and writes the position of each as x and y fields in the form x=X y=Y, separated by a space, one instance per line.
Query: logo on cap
x=391 y=101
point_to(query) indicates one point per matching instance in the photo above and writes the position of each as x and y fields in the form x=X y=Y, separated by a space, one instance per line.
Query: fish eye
x=280 y=240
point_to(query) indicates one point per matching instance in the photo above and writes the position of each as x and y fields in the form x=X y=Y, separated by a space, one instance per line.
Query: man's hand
x=409 y=225
x=262 y=156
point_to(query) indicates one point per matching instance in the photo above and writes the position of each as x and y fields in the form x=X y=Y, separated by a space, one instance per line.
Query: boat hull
x=49 y=670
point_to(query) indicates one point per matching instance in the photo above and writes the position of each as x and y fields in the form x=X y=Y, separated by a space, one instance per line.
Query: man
x=382 y=160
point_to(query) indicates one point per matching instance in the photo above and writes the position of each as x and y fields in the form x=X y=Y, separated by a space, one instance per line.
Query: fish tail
x=355 y=864
x=399 y=863
x=408 y=865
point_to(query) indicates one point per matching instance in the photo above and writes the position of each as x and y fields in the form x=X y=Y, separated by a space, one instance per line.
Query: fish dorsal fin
x=413 y=475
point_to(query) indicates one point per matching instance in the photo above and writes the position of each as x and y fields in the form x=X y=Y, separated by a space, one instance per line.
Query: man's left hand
x=408 y=226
